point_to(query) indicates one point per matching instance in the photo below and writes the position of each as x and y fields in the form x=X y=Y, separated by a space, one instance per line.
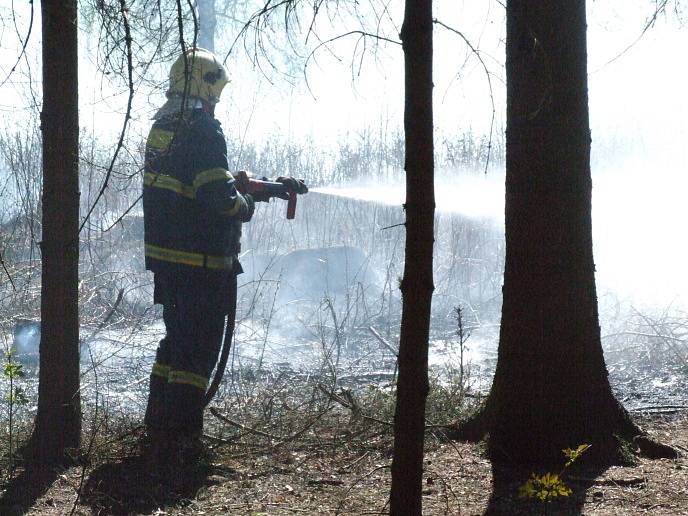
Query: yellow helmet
x=205 y=76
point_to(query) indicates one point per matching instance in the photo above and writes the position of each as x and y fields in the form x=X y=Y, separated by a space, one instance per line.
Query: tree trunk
x=58 y=421
x=417 y=285
x=551 y=389
x=207 y=21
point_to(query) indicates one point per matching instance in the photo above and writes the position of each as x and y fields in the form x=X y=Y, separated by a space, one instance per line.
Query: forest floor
x=335 y=463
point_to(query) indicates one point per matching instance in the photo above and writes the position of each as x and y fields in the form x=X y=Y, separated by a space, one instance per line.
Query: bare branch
x=660 y=8
x=362 y=35
x=24 y=42
x=130 y=77
x=478 y=55
x=9 y=276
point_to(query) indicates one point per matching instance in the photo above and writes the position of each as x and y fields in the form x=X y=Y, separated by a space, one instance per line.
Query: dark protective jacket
x=192 y=210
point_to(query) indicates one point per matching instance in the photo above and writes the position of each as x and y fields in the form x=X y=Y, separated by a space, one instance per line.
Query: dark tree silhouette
x=58 y=421
x=551 y=389
x=417 y=284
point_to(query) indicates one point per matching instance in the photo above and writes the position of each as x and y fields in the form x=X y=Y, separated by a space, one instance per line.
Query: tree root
x=473 y=429
x=621 y=444
x=651 y=449
x=643 y=445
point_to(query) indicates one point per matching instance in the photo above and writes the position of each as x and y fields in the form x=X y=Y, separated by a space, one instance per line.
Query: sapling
x=549 y=486
x=463 y=335
x=13 y=371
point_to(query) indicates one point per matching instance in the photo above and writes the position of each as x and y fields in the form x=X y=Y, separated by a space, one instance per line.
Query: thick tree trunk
x=551 y=389
x=58 y=421
x=417 y=284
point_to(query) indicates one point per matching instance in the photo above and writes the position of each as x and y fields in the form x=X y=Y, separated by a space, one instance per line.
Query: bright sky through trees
x=640 y=91
x=638 y=109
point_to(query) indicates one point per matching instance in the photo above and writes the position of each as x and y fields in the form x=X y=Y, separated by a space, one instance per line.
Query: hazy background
x=320 y=98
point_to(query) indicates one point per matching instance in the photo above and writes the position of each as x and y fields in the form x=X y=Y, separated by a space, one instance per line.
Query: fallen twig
x=352 y=464
x=383 y=341
x=325 y=481
x=358 y=481
x=660 y=409
x=280 y=440
x=346 y=404
x=224 y=418
x=669 y=341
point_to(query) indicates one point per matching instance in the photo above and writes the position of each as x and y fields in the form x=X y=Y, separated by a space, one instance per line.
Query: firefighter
x=192 y=218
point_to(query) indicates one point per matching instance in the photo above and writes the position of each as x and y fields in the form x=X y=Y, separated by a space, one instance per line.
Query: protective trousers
x=194 y=309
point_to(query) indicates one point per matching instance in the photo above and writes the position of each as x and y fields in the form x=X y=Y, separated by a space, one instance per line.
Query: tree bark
x=551 y=389
x=58 y=420
x=417 y=284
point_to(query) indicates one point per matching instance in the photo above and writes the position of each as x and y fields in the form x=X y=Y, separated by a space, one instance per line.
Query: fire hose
x=226 y=343
x=267 y=189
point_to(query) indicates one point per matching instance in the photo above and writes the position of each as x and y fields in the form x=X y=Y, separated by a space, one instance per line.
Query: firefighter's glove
x=293 y=185
x=250 y=207
x=261 y=196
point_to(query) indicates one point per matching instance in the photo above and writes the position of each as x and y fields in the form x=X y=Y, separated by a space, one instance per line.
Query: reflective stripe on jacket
x=192 y=210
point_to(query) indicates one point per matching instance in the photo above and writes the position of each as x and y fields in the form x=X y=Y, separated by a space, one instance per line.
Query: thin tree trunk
x=417 y=284
x=58 y=421
x=207 y=21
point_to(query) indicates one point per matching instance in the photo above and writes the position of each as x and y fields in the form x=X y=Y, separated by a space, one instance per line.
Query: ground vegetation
x=291 y=446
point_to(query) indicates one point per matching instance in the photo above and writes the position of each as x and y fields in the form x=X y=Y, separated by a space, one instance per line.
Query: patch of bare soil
x=342 y=467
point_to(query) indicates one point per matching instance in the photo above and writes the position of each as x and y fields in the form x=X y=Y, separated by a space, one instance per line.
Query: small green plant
x=573 y=455
x=550 y=486
x=13 y=371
